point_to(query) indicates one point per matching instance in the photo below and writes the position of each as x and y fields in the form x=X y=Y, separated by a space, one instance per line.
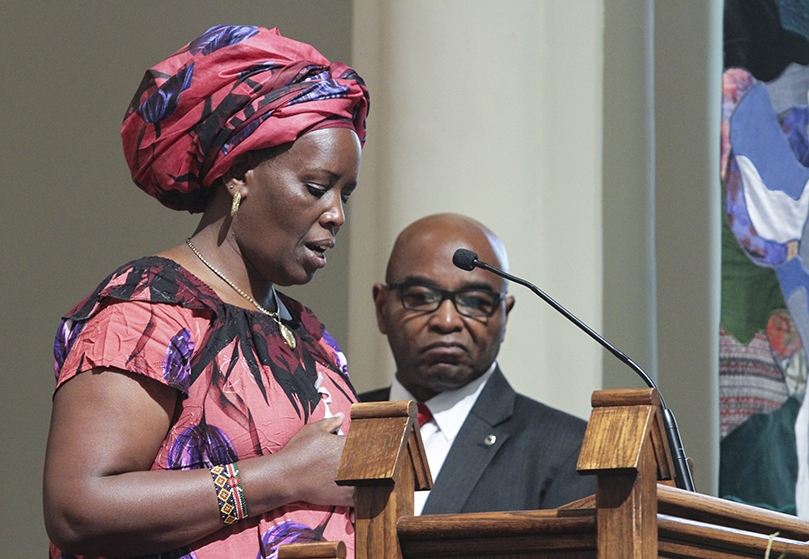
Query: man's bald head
x=448 y=225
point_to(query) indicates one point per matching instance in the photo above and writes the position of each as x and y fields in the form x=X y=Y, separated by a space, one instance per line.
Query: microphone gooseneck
x=466 y=259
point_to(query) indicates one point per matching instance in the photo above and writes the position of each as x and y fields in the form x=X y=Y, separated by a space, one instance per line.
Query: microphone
x=466 y=259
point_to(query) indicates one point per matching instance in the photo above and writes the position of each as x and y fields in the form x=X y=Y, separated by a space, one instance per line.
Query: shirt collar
x=283 y=311
x=451 y=407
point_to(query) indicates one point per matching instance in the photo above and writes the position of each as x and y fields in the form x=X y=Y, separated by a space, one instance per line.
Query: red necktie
x=425 y=414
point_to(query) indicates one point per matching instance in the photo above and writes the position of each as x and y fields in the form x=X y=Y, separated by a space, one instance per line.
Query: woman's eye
x=315 y=191
x=346 y=192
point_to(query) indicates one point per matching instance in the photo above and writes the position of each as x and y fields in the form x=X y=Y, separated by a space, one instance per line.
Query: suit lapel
x=478 y=441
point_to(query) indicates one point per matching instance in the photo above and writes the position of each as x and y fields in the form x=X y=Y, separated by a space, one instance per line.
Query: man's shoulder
x=378 y=395
x=524 y=405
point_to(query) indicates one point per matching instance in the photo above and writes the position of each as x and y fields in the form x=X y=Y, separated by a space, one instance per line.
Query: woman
x=197 y=411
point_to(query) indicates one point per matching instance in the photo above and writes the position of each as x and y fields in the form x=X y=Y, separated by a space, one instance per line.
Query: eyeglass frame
x=447 y=294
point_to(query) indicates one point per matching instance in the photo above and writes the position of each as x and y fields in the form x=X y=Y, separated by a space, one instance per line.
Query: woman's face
x=293 y=205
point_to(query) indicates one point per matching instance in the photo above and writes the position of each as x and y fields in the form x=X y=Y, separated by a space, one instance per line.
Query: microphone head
x=465 y=259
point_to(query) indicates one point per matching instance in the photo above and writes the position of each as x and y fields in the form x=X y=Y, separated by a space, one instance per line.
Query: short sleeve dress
x=243 y=392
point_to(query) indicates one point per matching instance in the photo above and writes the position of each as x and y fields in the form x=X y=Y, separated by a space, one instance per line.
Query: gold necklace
x=286 y=333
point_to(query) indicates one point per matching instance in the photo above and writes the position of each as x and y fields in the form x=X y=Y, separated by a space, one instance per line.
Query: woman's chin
x=301 y=277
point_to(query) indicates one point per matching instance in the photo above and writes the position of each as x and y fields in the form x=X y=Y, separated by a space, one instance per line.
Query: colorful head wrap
x=233 y=90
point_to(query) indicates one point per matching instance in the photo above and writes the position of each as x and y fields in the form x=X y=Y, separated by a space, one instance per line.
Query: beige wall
x=688 y=97
x=544 y=119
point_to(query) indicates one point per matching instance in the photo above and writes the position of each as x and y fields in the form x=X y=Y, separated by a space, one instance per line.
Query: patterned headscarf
x=233 y=90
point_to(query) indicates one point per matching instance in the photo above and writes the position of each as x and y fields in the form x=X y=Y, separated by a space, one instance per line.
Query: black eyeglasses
x=474 y=303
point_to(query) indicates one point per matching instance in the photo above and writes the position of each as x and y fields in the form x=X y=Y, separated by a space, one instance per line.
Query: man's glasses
x=474 y=303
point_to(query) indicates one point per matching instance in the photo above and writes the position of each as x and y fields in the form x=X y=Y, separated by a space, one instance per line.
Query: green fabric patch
x=758 y=461
x=750 y=293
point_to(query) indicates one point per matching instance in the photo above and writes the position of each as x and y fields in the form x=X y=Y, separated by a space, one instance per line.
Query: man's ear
x=510 y=303
x=380 y=298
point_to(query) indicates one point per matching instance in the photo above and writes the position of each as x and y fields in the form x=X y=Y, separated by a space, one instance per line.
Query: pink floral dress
x=243 y=392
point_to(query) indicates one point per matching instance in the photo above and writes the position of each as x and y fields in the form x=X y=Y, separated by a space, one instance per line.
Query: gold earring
x=234 y=207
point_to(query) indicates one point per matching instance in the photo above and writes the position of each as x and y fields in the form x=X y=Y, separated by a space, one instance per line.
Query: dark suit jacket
x=531 y=465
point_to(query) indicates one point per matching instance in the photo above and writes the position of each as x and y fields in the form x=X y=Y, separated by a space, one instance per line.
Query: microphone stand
x=682 y=472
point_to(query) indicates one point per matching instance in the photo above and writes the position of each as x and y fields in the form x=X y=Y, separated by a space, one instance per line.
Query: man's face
x=440 y=350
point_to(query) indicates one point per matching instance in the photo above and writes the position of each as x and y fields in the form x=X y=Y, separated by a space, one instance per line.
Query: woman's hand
x=312 y=457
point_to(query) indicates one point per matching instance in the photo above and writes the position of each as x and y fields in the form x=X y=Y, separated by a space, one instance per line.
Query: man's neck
x=400 y=391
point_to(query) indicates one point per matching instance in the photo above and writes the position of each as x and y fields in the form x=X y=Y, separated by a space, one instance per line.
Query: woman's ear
x=235 y=180
x=237 y=170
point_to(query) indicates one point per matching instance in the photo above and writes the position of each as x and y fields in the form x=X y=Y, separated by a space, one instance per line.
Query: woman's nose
x=334 y=216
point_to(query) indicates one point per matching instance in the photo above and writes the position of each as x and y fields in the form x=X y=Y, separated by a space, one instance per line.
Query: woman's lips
x=317 y=252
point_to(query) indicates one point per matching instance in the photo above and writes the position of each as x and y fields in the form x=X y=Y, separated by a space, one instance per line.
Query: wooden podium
x=636 y=511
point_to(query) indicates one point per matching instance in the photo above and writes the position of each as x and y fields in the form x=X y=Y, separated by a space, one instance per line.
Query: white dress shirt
x=449 y=411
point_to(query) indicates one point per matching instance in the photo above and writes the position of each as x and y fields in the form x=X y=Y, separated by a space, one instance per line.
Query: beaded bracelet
x=229 y=493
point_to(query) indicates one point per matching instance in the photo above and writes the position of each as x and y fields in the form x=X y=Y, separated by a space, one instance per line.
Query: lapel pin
x=490 y=440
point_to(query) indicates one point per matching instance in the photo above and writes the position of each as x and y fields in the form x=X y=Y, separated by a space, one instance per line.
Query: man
x=488 y=447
